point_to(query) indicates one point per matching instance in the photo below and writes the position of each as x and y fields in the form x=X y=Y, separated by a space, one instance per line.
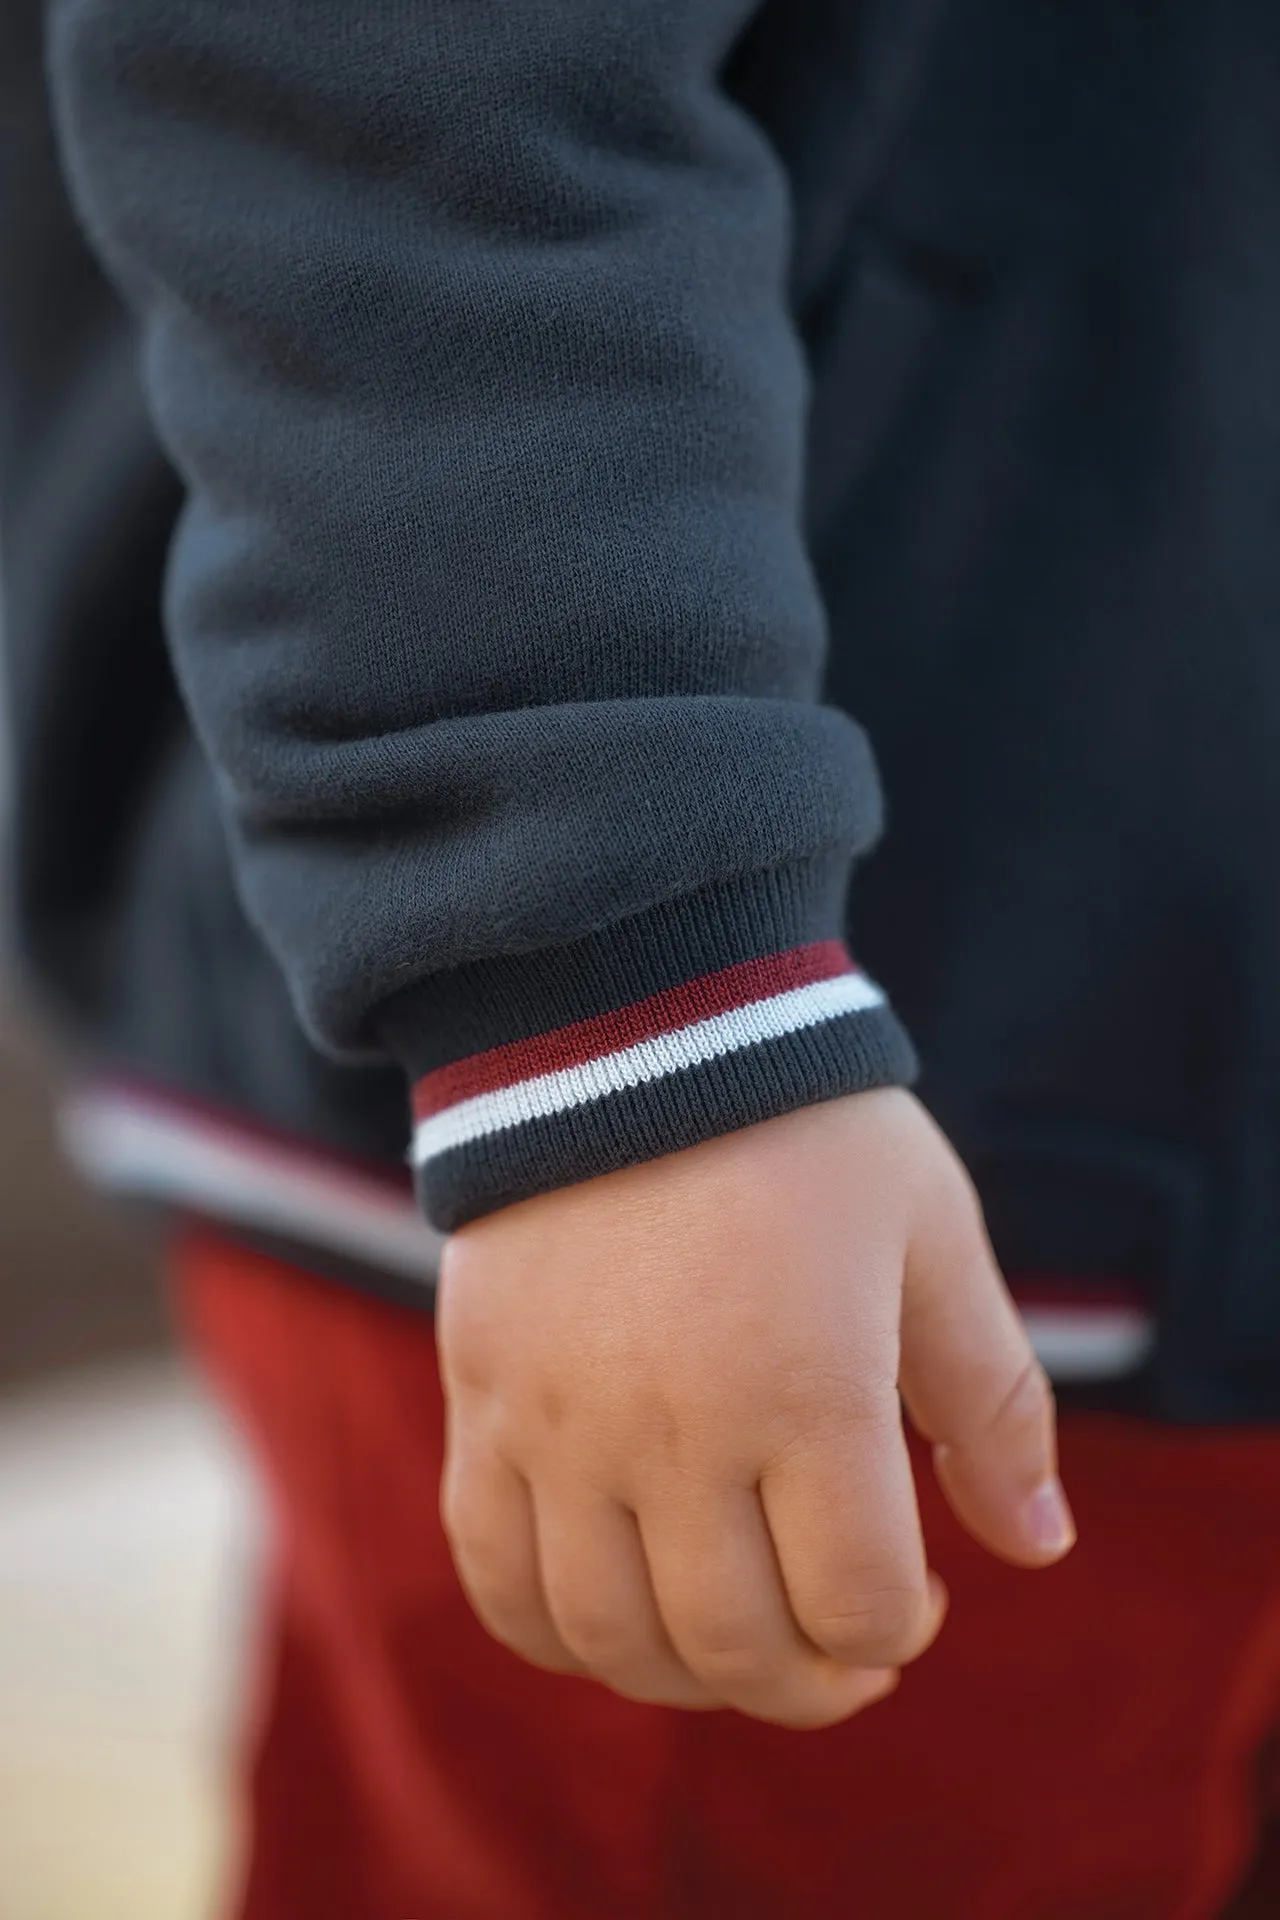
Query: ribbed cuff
x=704 y=1015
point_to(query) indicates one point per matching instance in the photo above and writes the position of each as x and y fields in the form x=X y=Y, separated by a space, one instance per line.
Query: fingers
x=570 y=1588
x=974 y=1388
x=487 y=1512
x=721 y=1598
x=842 y=1512
x=600 y=1598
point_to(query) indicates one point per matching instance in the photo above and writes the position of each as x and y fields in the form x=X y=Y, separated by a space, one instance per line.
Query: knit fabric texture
x=467 y=329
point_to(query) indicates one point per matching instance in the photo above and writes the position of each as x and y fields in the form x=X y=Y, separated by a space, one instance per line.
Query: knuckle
x=517 y=1634
x=600 y=1639
x=863 y=1416
x=454 y=1515
x=881 y=1627
x=658 y=1682
x=949 y=1202
x=1028 y=1405
x=468 y=1366
x=511 y=1615
x=500 y=1589
x=958 y=1194
x=727 y=1654
x=968 y=1205
x=487 y=1555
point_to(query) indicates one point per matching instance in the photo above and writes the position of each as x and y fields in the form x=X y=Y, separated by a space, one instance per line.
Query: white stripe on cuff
x=547 y=1093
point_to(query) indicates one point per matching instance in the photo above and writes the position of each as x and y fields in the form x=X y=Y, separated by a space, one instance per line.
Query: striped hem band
x=707 y=1019
x=140 y=1140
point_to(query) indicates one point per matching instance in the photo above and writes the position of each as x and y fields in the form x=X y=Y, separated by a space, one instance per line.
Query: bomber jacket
x=471 y=469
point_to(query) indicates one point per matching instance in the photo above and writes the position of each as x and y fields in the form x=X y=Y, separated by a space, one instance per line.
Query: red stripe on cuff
x=699 y=999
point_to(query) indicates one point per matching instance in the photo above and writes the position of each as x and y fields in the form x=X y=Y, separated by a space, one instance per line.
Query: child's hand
x=676 y=1457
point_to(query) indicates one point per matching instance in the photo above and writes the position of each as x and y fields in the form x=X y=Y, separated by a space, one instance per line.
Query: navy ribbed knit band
x=721 y=1051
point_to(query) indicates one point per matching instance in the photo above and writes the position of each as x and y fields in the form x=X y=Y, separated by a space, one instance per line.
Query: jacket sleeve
x=465 y=324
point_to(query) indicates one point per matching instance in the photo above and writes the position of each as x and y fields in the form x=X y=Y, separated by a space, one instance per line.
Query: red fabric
x=1083 y=1744
x=700 y=999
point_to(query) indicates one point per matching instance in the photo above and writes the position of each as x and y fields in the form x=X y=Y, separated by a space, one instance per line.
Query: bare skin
x=676 y=1458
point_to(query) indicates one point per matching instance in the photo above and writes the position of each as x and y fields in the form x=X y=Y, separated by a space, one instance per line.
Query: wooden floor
x=127 y=1548
x=125 y=1552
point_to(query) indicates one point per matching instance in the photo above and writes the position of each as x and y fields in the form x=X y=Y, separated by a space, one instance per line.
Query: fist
x=676 y=1457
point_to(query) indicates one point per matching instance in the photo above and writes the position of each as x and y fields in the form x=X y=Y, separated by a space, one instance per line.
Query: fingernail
x=1048 y=1518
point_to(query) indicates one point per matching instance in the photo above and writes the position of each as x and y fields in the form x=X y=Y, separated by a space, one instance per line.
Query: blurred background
x=127 y=1537
x=128 y=1541
x=131 y=1541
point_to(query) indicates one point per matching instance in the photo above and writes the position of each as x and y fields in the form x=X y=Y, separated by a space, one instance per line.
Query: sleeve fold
x=466 y=327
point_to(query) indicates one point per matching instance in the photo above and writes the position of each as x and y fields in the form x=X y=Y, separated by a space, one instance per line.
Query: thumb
x=973 y=1386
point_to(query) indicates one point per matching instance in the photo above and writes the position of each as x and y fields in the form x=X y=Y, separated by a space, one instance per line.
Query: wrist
x=692 y=1020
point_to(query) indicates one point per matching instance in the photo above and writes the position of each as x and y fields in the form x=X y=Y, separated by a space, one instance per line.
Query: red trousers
x=1083 y=1744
